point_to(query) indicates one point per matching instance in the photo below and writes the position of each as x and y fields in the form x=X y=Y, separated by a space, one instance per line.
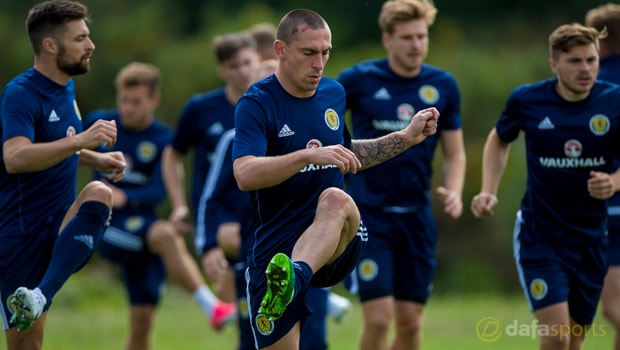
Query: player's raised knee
x=98 y=191
x=335 y=196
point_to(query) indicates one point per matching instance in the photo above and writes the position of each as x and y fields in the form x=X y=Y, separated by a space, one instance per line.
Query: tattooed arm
x=254 y=173
x=375 y=151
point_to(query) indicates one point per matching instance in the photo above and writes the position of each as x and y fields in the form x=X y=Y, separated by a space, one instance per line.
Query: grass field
x=90 y=313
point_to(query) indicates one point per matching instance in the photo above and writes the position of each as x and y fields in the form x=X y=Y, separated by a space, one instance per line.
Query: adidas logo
x=53 y=117
x=107 y=221
x=546 y=124
x=362 y=232
x=382 y=94
x=286 y=131
x=88 y=240
x=216 y=129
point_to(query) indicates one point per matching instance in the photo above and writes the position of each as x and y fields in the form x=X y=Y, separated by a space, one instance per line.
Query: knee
x=612 y=312
x=555 y=341
x=336 y=201
x=334 y=196
x=378 y=322
x=141 y=322
x=162 y=234
x=98 y=191
x=336 y=204
x=412 y=327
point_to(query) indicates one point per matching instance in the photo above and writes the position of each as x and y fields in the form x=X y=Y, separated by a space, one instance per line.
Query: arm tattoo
x=375 y=151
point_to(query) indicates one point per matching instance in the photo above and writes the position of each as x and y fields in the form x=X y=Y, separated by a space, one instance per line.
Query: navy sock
x=303 y=275
x=75 y=245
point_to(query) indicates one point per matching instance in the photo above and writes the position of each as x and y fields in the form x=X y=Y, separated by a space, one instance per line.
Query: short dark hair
x=288 y=27
x=227 y=45
x=49 y=18
x=264 y=34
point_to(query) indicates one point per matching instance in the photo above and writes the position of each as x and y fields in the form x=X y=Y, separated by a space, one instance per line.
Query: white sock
x=337 y=304
x=205 y=299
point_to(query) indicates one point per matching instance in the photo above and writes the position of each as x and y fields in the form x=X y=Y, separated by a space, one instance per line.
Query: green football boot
x=280 y=287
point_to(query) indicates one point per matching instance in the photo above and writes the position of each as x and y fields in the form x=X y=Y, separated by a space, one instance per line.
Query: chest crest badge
x=331 y=119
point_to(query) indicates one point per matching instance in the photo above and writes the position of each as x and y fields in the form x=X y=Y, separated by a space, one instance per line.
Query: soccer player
x=224 y=210
x=204 y=119
x=220 y=248
x=264 y=35
x=47 y=230
x=146 y=247
x=571 y=124
x=224 y=204
x=608 y=17
x=290 y=151
x=395 y=273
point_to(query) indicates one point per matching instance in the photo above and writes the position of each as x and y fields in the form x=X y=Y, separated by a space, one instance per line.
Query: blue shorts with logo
x=143 y=273
x=552 y=272
x=314 y=330
x=24 y=258
x=268 y=332
x=399 y=260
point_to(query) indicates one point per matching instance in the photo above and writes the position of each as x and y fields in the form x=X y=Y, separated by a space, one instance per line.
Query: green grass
x=90 y=313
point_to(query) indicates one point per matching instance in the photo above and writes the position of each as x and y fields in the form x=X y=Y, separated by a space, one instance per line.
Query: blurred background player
x=227 y=241
x=608 y=16
x=146 y=247
x=205 y=117
x=264 y=35
x=395 y=273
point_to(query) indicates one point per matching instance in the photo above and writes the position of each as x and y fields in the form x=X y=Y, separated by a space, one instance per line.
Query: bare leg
x=335 y=224
x=29 y=338
x=556 y=317
x=215 y=264
x=220 y=274
x=164 y=240
x=610 y=299
x=141 y=318
x=377 y=317
x=229 y=239
x=409 y=321
x=289 y=341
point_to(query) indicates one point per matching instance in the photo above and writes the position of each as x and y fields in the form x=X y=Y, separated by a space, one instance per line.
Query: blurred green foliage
x=490 y=46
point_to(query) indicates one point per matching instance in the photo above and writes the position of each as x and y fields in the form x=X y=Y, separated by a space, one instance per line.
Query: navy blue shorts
x=613 y=251
x=24 y=258
x=335 y=273
x=144 y=273
x=399 y=259
x=314 y=330
x=268 y=332
x=246 y=339
x=552 y=273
